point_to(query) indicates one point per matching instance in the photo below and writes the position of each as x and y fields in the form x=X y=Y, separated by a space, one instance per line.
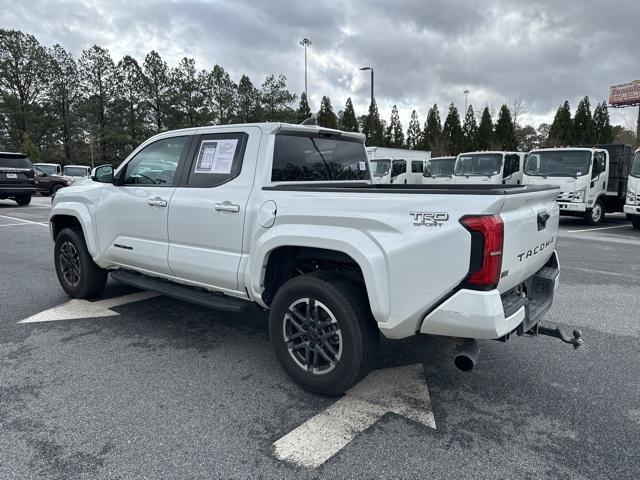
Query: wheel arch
x=77 y=216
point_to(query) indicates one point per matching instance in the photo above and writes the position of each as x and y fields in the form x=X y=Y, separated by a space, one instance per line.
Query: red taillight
x=487 y=240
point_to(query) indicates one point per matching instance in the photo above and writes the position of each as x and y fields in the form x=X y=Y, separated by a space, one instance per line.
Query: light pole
x=371 y=113
x=305 y=42
x=466 y=93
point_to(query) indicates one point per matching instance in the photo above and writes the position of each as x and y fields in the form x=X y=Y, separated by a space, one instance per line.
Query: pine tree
x=276 y=100
x=583 y=129
x=221 y=96
x=561 y=130
x=414 y=135
x=374 y=138
x=248 y=102
x=432 y=133
x=157 y=87
x=505 y=132
x=303 y=112
x=602 y=127
x=348 y=120
x=326 y=117
x=129 y=109
x=394 y=137
x=188 y=87
x=485 y=137
x=452 y=131
x=470 y=131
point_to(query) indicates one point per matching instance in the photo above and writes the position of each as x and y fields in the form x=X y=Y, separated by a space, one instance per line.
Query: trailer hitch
x=576 y=340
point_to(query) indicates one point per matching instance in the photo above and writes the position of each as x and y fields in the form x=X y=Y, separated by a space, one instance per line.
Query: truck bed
x=424 y=189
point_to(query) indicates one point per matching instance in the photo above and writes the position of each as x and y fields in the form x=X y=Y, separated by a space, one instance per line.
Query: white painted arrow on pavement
x=76 y=309
x=399 y=390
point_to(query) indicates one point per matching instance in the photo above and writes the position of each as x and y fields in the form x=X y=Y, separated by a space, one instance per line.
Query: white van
x=397 y=165
x=495 y=168
x=438 y=171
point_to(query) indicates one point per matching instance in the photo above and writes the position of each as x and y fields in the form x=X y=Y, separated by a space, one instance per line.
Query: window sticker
x=216 y=156
x=362 y=166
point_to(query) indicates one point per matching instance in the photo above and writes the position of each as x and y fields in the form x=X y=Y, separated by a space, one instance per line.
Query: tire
x=77 y=273
x=595 y=216
x=349 y=331
x=45 y=194
x=635 y=221
x=55 y=189
x=23 y=200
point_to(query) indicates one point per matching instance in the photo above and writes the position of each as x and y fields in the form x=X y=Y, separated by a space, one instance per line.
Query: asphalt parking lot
x=162 y=389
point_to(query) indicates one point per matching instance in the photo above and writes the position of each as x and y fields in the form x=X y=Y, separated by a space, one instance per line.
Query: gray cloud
x=424 y=51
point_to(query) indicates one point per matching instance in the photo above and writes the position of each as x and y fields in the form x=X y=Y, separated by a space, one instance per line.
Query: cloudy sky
x=423 y=51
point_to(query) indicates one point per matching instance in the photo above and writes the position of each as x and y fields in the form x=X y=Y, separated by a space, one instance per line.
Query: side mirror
x=102 y=174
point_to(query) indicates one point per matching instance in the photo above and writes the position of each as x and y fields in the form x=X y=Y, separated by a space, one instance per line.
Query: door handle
x=156 y=202
x=227 y=207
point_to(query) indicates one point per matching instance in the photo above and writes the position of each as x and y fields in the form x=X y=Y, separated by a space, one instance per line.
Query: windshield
x=380 y=167
x=635 y=168
x=48 y=169
x=558 y=163
x=76 y=171
x=441 y=167
x=479 y=164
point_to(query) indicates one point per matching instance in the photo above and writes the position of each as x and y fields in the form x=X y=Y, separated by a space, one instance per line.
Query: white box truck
x=438 y=171
x=493 y=168
x=632 y=205
x=397 y=165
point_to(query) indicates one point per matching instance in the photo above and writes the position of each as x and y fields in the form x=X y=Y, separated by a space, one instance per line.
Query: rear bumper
x=11 y=191
x=489 y=315
x=572 y=207
x=632 y=209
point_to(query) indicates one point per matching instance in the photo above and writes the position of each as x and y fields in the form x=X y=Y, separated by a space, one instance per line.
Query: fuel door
x=267 y=214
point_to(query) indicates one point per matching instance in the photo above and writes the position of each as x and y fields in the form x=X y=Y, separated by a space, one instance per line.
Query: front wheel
x=596 y=214
x=323 y=333
x=23 y=200
x=77 y=273
x=635 y=221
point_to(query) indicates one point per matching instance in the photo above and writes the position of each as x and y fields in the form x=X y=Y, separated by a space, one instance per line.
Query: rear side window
x=217 y=158
x=308 y=158
x=416 y=166
x=15 y=162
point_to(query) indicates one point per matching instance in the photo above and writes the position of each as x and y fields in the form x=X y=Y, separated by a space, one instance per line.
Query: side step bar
x=218 y=301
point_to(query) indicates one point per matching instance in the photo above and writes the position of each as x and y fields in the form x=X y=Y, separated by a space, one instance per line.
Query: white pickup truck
x=287 y=216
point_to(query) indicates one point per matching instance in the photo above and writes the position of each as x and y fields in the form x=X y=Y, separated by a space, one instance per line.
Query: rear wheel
x=77 y=273
x=323 y=333
x=23 y=200
x=635 y=221
x=596 y=214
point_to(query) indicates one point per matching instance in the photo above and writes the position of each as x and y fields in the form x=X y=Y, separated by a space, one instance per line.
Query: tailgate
x=530 y=235
x=16 y=176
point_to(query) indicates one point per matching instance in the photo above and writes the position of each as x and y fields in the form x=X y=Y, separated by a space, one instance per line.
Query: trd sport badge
x=429 y=219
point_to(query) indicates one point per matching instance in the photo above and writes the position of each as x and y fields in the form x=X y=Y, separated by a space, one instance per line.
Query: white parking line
x=18 y=224
x=599 y=228
x=23 y=220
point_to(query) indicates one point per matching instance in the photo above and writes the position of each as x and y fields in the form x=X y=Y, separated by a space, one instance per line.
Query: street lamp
x=371 y=113
x=305 y=42
x=466 y=92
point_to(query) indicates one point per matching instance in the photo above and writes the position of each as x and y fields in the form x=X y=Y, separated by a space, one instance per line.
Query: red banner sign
x=625 y=94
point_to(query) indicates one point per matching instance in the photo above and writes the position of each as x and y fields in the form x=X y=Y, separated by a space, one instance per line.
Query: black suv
x=17 y=178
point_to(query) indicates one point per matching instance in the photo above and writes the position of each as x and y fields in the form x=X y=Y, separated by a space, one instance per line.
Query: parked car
x=287 y=216
x=49 y=183
x=17 y=178
x=76 y=172
x=50 y=168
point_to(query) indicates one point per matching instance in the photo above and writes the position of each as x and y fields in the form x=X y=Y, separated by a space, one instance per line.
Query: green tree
x=528 y=138
x=505 y=133
x=432 y=133
x=601 y=125
x=348 y=120
x=452 y=131
x=130 y=108
x=23 y=79
x=276 y=100
x=220 y=95
x=326 y=117
x=394 y=134
x=248 y=102
x=583 y=129
x=375 y=136
x=414 y=135
x=561 y=130
x=485 y=139
x=30 y=149
x=470 y=131
x=157 y=88
x=188 y=95
x=303 y=112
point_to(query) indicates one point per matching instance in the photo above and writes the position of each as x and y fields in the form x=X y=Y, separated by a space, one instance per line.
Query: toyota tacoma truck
x=287 y=216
